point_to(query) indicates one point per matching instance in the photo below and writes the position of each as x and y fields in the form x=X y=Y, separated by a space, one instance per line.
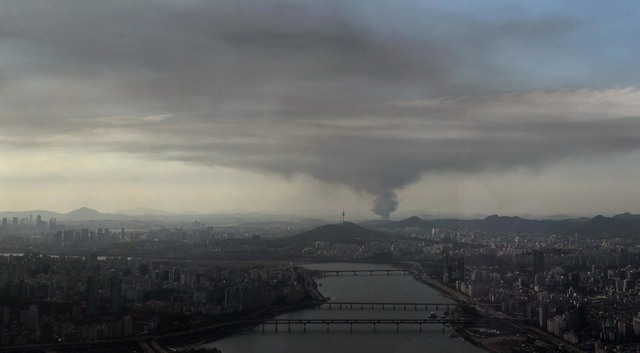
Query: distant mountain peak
x=84 y=210
x=84 y=213
x=495 y=216
x=346 y=232
x=627 y=216
x=413 y=221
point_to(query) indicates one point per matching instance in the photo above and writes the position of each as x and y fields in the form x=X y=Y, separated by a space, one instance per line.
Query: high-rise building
x=460 y=268
x=538 y=262
x=453 y=269
x=115 y=294
x=92 y=295
x=543 y=315
x=446 y=276
x=53 y=224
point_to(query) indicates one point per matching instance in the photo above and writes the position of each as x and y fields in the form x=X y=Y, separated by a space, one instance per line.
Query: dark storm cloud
x=363 y=94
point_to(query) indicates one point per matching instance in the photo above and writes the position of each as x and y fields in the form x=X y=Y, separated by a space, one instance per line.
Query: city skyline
x=301 y=107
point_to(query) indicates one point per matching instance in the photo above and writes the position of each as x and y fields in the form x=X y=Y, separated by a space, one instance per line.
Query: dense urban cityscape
x=284 y=176
x=70 y=285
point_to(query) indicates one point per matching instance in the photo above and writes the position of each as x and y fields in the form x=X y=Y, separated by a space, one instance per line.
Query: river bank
x=494 y=344
x=217 y=331
x=493 y=336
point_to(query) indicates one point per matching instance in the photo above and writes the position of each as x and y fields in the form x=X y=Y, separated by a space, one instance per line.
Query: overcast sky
x=528 y=107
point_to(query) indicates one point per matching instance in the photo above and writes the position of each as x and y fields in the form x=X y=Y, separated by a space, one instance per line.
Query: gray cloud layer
x=364 y=94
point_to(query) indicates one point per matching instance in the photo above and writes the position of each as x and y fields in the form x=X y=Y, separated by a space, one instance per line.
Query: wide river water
x=361 y=288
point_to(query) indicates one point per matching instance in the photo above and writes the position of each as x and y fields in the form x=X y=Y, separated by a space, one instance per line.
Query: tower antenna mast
x=343 y=214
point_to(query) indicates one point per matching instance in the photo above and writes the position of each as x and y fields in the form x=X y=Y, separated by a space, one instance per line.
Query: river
x=362 y=288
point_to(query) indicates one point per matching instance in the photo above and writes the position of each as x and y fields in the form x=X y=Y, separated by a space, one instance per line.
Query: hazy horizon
x=457 y=107
x=328 y=215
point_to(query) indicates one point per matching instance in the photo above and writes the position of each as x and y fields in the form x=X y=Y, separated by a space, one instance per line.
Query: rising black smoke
x=385 y=203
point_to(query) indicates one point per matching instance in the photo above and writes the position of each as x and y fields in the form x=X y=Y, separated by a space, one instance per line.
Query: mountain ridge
x=623 y=224
x=620 y=225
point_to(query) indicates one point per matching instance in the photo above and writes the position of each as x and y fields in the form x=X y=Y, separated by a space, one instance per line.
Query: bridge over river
x=371 y=323
x=385 y=306
x=363 y=272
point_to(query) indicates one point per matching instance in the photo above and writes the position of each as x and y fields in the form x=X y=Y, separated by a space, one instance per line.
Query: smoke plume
x=385 y=203
x=371 y=95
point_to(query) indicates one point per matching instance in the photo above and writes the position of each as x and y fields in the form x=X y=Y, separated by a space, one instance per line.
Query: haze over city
x=303 y=106
x=284 y=176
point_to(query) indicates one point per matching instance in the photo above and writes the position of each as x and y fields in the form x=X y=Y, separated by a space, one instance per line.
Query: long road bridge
x=363 y=272
x=386 y=305
x=372 y=323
